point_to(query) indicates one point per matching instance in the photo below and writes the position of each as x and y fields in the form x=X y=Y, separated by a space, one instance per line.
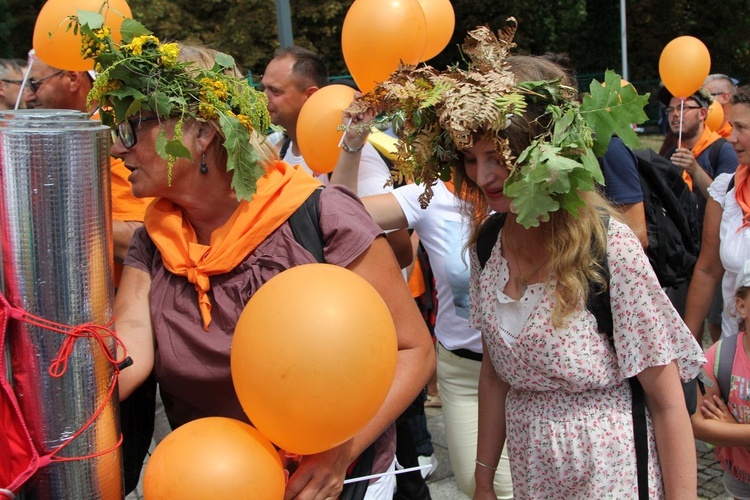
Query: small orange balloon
x=379 y=34
x=715 y=116
x=441 y=20
x=684 y=65
x=214 y=457
x=318 y=135
x=313 y=357
x=57 y=46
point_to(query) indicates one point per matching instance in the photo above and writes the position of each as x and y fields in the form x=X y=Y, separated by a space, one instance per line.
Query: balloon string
x=30 y=63
x=344 y=132
x=376 y=476
x=679 y=136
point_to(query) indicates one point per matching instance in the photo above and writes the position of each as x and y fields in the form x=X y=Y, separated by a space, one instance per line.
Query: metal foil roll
x=55 y=217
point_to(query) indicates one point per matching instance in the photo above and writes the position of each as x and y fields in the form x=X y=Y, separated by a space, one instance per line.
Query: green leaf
x=612 y=109
x=131 y=28
x=176 y=148
x=242 y=159
x=121 y=107
x=160 y=103
x=160 y=145
x=93 y=20
x=224 y=60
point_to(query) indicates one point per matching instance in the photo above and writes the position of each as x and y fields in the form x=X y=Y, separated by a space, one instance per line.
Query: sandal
x=433 y=402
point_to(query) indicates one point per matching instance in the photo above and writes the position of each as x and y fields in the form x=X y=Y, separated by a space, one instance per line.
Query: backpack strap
x=713 y=155
x=305 y=225
x=723 y=364
x=488 y=234
x=285 y=146
x=731 y=184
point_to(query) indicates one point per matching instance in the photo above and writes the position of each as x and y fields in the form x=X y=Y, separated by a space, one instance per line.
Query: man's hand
x=684 y=158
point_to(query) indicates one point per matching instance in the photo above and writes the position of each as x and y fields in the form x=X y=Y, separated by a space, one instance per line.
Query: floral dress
x=568 y=412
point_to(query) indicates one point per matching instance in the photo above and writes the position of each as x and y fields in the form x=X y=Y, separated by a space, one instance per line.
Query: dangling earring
x=204 y=168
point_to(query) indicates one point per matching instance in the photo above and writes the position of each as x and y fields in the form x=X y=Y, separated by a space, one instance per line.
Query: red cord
x=59 y=365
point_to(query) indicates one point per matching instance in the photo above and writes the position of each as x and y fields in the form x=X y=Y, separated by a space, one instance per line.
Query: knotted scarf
x=707 y=138
x=742 y=193
x=280 y=192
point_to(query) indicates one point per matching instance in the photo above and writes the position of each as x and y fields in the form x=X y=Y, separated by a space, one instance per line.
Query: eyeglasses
x=126 y=130
x=17 y=82
x=671 y=110
x=35 y=84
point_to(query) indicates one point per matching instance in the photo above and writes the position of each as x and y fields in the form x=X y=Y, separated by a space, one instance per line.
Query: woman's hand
x=321 y=475
x=717 y=410
x=358 y=126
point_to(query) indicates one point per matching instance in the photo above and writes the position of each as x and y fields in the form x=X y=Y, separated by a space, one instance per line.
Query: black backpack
x=672 y=218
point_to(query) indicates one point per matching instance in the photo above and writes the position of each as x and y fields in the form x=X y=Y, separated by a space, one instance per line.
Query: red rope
x=59 y=365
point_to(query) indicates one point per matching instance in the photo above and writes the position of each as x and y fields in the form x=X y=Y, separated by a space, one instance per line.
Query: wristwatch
x=351 y=150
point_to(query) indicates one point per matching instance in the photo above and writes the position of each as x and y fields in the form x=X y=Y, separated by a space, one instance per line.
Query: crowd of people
x=550 y=329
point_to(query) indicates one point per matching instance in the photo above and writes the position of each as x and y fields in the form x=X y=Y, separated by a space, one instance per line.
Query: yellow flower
x=246 y=121
x=169 y=53
x=206 y=111
x=136 y=45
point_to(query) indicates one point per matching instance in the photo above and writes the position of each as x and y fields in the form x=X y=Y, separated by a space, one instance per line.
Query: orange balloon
x=59 y=47
x=313 y=357
x=441 y=20
x=684 y=65
x=214 y=457
x=378 y=34
x=715 y=116
x=318 y=135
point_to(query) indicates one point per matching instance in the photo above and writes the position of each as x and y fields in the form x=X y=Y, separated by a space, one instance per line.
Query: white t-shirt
x=373 y=172
x=734 y=248
x=443 y=232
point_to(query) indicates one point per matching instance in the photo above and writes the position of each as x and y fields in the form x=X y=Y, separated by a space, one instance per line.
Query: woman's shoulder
x=719 y=187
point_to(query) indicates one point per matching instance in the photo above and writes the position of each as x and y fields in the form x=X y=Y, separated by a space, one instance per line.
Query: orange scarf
x=725 y=130
x=280 y=192
x=742 y=193
x=707 y=138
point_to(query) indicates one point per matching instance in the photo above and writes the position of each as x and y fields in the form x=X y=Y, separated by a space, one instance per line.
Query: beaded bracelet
x=346 y=148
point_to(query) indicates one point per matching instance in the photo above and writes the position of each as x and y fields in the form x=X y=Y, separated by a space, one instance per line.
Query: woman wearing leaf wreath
x=551 y=387
x=190 y=131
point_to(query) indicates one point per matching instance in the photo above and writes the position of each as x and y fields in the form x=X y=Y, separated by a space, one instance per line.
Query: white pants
x=458 y=381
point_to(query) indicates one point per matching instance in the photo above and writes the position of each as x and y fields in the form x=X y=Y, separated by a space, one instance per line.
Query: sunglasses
x=125 y=131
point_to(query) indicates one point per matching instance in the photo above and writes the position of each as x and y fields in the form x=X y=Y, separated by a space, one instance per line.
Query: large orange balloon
x=441 y=20
x=59 y=47
x=318 y=135
x=715 y=116
x=684 y=65
x=313 y=357
x=214 y=457
x=378 y=34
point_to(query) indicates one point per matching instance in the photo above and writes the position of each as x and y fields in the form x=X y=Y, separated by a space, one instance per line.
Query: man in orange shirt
x=53 y=88
x=721 y=88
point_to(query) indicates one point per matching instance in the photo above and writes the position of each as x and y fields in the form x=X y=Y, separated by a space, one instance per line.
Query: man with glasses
x=721 y=88
x=11 y=77
x=701 y=153
x=53 y=88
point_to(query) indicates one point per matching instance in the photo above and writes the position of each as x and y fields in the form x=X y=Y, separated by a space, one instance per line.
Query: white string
x=31 y=59
x=376 y=476
x=679 y=136
x=344 y=133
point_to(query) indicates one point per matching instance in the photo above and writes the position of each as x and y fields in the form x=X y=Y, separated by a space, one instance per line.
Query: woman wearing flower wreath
x=551 y=387
x=191 y=134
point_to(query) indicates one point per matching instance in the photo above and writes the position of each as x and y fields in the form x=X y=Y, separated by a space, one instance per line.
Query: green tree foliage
x=588 y=30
